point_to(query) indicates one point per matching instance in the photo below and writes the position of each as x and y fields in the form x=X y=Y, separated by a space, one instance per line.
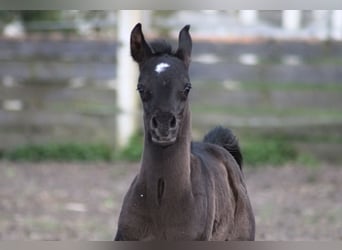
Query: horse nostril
x=154 y=123
x=173 y=122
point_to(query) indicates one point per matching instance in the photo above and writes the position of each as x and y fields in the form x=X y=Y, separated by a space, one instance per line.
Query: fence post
x=336 y=25
x=126 y=78
x=291 y=19
x=321 y=23
x=248 y=17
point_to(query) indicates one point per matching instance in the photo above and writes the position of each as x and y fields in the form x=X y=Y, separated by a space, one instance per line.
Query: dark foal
x=184 y=190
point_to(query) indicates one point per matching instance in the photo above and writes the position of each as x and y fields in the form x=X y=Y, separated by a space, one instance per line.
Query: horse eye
x=144 y=93
x=187 y=89
x=140 y=88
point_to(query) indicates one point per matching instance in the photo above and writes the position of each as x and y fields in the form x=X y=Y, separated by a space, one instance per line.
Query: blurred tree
x=34 y=15
x=15 y=23
x=29 y=15
x=83 y=22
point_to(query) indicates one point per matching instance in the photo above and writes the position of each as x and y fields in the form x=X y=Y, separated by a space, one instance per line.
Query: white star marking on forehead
x=161 y=67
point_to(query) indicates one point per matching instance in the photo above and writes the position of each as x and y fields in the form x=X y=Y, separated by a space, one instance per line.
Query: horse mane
x=160 y=47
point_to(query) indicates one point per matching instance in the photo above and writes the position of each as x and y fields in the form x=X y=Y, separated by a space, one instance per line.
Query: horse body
x=184 y=190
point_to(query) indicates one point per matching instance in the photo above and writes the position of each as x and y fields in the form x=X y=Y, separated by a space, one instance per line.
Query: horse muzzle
x=164 y=128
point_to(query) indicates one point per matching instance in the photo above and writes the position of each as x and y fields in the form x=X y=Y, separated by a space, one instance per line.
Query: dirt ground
x=53 y=201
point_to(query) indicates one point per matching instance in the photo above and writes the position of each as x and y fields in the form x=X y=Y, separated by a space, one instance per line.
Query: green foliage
x=30 y=15
x=308 y=160
x=273 y=151
x=256 y=151
x=38 y=15
x=66 y=152
x=60 y=152
x=133 y=151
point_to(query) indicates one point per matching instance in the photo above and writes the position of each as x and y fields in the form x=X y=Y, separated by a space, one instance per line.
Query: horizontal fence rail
x=65 y=90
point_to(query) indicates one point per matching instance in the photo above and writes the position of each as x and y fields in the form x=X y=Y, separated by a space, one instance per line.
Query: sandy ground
x=53 y=201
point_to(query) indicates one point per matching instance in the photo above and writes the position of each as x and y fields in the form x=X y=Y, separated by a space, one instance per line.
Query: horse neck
x=171 y=163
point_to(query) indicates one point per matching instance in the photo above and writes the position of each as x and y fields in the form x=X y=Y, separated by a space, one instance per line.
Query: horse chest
x=174 y=216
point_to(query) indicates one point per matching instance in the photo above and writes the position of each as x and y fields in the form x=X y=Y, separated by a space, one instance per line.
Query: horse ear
x=140 y=50
x=184 y=45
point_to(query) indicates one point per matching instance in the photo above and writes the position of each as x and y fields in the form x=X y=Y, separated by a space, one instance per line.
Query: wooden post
x=126 y=78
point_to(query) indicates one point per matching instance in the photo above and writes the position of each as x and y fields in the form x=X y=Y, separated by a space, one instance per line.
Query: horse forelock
x=160 y=47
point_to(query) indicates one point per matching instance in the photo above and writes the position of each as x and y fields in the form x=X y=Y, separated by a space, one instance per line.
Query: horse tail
x=225 y=138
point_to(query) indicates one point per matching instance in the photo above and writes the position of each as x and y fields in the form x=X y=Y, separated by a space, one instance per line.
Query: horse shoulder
x=210 y=182
x=244 y=222
x=233 y=216
x=203 y=194
x=132 y=224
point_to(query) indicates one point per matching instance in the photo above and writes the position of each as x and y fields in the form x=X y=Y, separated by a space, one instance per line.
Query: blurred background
x=70 y=120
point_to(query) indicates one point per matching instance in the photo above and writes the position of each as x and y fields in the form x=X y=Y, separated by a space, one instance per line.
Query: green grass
x=257 y=151
x=267 y=150
x=132 y=152
x=60 y=152
x=69 y=152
